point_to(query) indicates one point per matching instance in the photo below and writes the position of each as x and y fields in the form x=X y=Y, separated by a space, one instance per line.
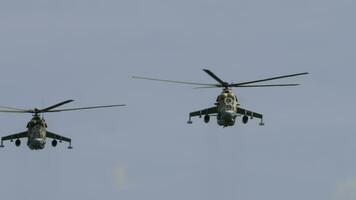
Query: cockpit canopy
x=227 y=99
x=36 y=121
x=229 y=107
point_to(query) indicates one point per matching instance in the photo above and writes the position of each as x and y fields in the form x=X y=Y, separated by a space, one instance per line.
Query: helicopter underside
x=227 y=118
x=36 y=144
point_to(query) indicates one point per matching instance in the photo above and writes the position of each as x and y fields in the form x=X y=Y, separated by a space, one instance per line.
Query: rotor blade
x=170 y=81
x=16 y=109
x=215 y=77
x=272 y=85
x=86 y=108
x=55 y=106
x=269 y=85
x=267 y=79
x=208 y=87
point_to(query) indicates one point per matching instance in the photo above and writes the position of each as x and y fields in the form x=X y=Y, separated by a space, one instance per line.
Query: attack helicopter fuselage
x=227 y=108
x=37 y=132
x=36 y=129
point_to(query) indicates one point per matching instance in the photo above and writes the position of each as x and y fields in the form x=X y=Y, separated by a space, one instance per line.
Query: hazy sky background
x=87 y=50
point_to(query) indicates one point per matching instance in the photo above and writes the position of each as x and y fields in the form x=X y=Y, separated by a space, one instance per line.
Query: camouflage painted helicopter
x=227 y=108
x=36 y=132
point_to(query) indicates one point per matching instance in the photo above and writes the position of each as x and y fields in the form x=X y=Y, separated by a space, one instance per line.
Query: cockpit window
x=228 y=101
x=229 y=107
x=36 y=127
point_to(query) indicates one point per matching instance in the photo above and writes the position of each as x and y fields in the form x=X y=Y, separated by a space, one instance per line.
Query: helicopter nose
x=38 y=141
x=229 y=114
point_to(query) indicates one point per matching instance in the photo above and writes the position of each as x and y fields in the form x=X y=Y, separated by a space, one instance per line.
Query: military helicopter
x=36 y=132
x=227 y=108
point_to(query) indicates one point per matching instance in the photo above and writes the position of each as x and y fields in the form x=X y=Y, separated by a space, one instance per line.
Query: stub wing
x=243 y=111
x=59 y=137
x=251 y=114
x=15 y=136
x=208 y=111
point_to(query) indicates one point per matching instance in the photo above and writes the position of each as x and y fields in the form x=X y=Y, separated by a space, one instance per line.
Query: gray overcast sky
x=88 y=50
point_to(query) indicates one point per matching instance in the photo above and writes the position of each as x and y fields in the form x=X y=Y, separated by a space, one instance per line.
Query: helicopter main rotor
x=50 y=109
x=226 y=85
